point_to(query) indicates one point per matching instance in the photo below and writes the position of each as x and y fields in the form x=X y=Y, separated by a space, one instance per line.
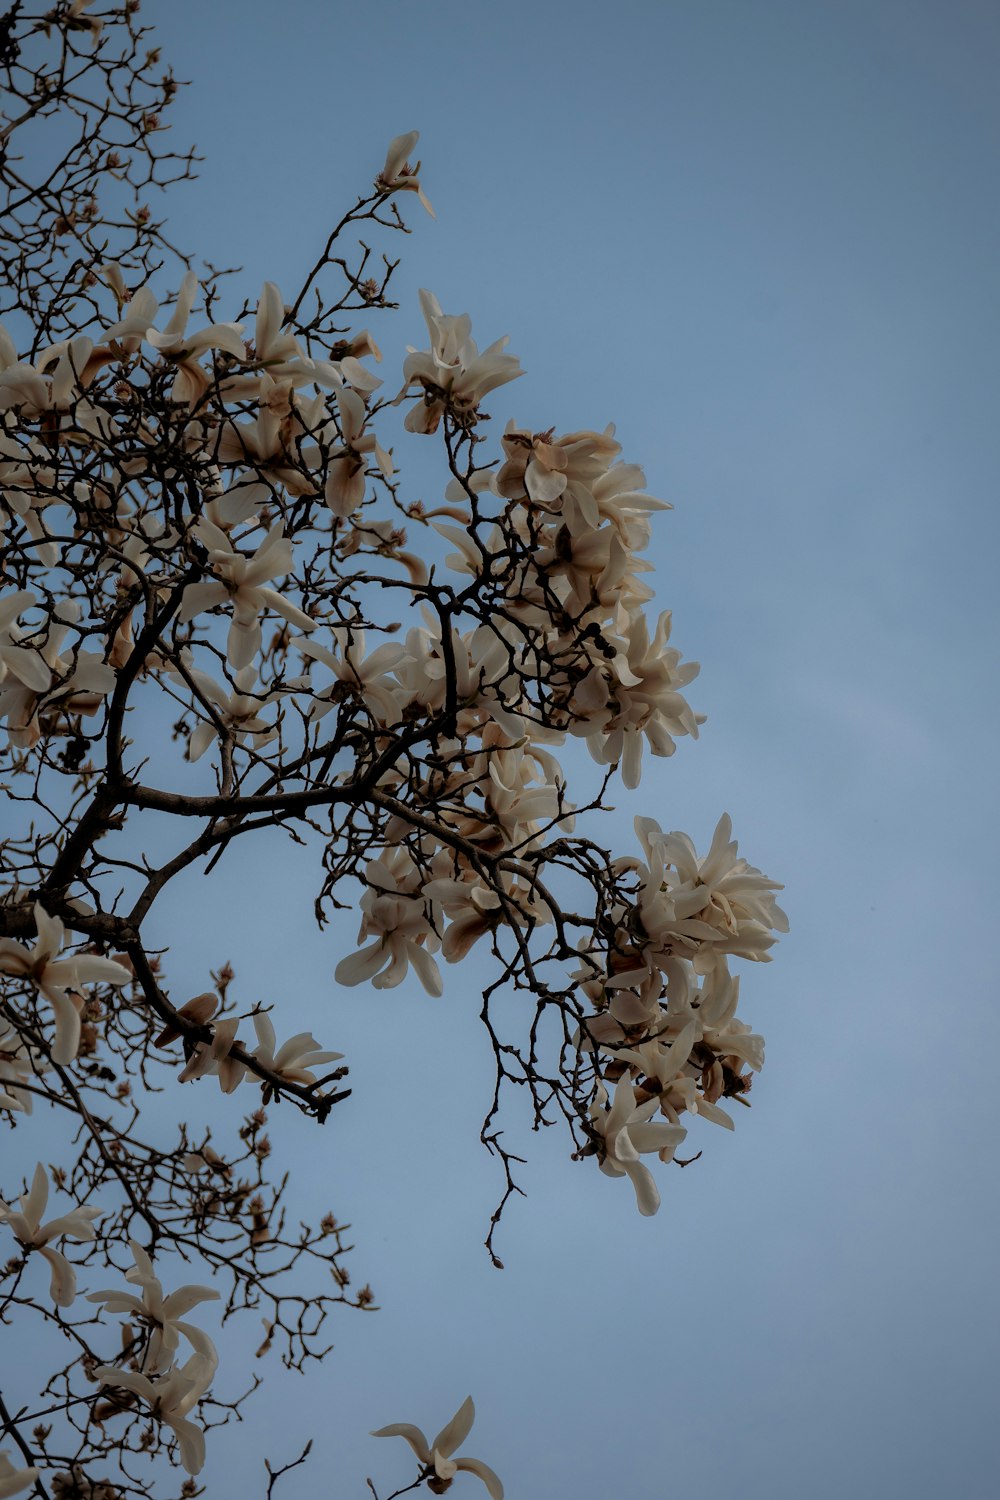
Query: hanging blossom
x=704 y=907
x=345 y=486
x=627 y=1132
x=169 y=1398
x=394 y=916
x=238 y=713
x=636 y=695
x=437 y=1455
x=358 y=676
x=182 y=349
x=29 y=1231
x=177 y=1388
x=55 y=977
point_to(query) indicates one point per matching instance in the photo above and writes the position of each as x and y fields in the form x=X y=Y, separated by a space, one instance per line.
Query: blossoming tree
x=208 y=556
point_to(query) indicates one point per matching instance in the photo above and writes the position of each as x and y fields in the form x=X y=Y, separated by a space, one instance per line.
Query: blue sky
x=761 y=236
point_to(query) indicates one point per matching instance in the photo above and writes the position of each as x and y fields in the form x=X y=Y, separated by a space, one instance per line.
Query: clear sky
x=762 y=237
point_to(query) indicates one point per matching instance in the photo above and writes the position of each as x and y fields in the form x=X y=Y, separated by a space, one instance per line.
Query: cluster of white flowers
x=293 y=1061
x=445 y=737
x=567 y=650
x=169 y=1389
x=666 y=1015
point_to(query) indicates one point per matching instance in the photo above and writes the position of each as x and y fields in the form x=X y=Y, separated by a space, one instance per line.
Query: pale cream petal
x=454 y=1433
x=484 y=1472
x=63 y=1282
x=411 y=1434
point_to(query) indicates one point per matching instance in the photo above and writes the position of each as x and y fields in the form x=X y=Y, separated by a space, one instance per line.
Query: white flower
x=215 y=1057
x=636 y=694
x=18 y=662
x=296 y=1058
x=13 y=1481
x=345 y=485
x=159 y=1313
x=130 y=331
x=77 y=21
x=627 y=1133
x=437 y=1455
x=240 y=580
x=718 y=904
x=53 y=977
x=270 y=344
x=357 y=675
x=393 y=914
x=28 y=1229
x=16 y=1067
x=473 y=909
x=22 y=386
x=183 y=349
x=543 y=468
x=397 y=176
x=82 y=680
x=452 y=373
x=239 y=711
x=170 y=1399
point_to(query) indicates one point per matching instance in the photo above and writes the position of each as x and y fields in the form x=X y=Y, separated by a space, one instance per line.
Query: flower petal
x=413 y=1436
x=453 y=1435
x=485 y=1473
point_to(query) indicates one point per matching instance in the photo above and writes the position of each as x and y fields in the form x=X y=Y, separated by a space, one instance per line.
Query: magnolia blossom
x=296 y=1058
x=74 y=364
x=707 y=907
x=271 y=346
x=239 y=712
x=13 y=1481
x=627 y=1132
x=183 y=349
x=28 y=1229
x=635 y=695
x=159 y=1314
x=170 y=1398
x=21 y=385
x=215 y=1057
x=17 y=661
x=437 y=1455
x=55 y=977
x=241 y=581
x=542 y=468
x=397 y=176
x=345 y=486
x=452 y=373
x=75 y=683
x=26 y=476
x=130 y=331
x=18 y=1062
x=473 y=909
x=358 y=676
x=14 y=1071
x=199 y=1009
x=393 y=915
